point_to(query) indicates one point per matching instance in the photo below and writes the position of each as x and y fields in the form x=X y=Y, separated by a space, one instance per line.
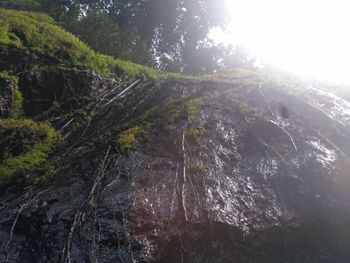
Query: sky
x=308 y=37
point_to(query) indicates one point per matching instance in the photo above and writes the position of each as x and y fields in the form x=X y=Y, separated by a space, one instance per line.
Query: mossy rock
x=126 y=139
x=25 y=144
x=17 y=140
x=11 y=99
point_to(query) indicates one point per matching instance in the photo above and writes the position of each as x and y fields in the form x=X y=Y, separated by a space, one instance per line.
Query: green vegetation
x=104 y=35
x=179 y=106
x=7 y=37
x=45 y=46
x=39 y=34
x=4 y=74
x=125 y=140
x=21 y=4
x=140 y=32
x=17 y=98
x=34 y=155
x=197 y=132
x=193 y=106
x=18 y=103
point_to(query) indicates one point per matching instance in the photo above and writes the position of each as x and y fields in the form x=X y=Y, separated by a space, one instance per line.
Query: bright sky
x=308 y=37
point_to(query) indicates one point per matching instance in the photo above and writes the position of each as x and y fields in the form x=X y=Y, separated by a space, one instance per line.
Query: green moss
x=125 y=140
x=167 y=113
x=193 y=106
x=38 y=32
x=189 y=106
x=18 y=103
x=197 y=132
x=7 y=37
x=17 y=98
x=4 y=74
x=34 y=156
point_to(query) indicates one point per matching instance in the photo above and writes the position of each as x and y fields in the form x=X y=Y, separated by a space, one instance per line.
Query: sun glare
x=308 y=37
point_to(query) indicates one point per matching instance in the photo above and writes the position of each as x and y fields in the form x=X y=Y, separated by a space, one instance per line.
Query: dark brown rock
x=7 y=89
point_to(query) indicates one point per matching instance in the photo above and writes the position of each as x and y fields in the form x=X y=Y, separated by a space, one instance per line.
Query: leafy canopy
x=169 y=35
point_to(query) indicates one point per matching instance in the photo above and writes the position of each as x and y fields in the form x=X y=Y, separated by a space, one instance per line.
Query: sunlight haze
x=307 y=37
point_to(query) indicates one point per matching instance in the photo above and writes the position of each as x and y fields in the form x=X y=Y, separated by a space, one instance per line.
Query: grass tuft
x=125 y=140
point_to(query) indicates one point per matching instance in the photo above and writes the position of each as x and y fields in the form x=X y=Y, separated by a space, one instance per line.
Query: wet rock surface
x=226 y=177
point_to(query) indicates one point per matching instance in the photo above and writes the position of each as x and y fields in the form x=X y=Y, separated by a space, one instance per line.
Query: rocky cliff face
x=7 y=93
x=213 y=173
x=178 y=170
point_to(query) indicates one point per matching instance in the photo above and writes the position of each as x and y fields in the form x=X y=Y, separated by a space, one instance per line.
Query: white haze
x=307 y=37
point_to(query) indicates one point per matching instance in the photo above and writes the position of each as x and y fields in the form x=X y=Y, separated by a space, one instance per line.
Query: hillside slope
x=119 y=163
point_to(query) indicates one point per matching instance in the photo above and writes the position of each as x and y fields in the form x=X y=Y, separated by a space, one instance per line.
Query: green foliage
x=177 y=108
x=197 y=132
x=125 y=140
x=169 y=33
x=4 y=74
x=105 y=36
x=133 y=69
x=33 y=156
x=15 y=140
x=17 y=98
x=18 y=103
x=8 y=37
x=21 y=4
x=38 y=33
x=193 y=106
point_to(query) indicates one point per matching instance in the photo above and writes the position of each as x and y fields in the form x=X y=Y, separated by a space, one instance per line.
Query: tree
x=171 y=29
x=166 y=34
x=21 y=4
x=106 y=36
